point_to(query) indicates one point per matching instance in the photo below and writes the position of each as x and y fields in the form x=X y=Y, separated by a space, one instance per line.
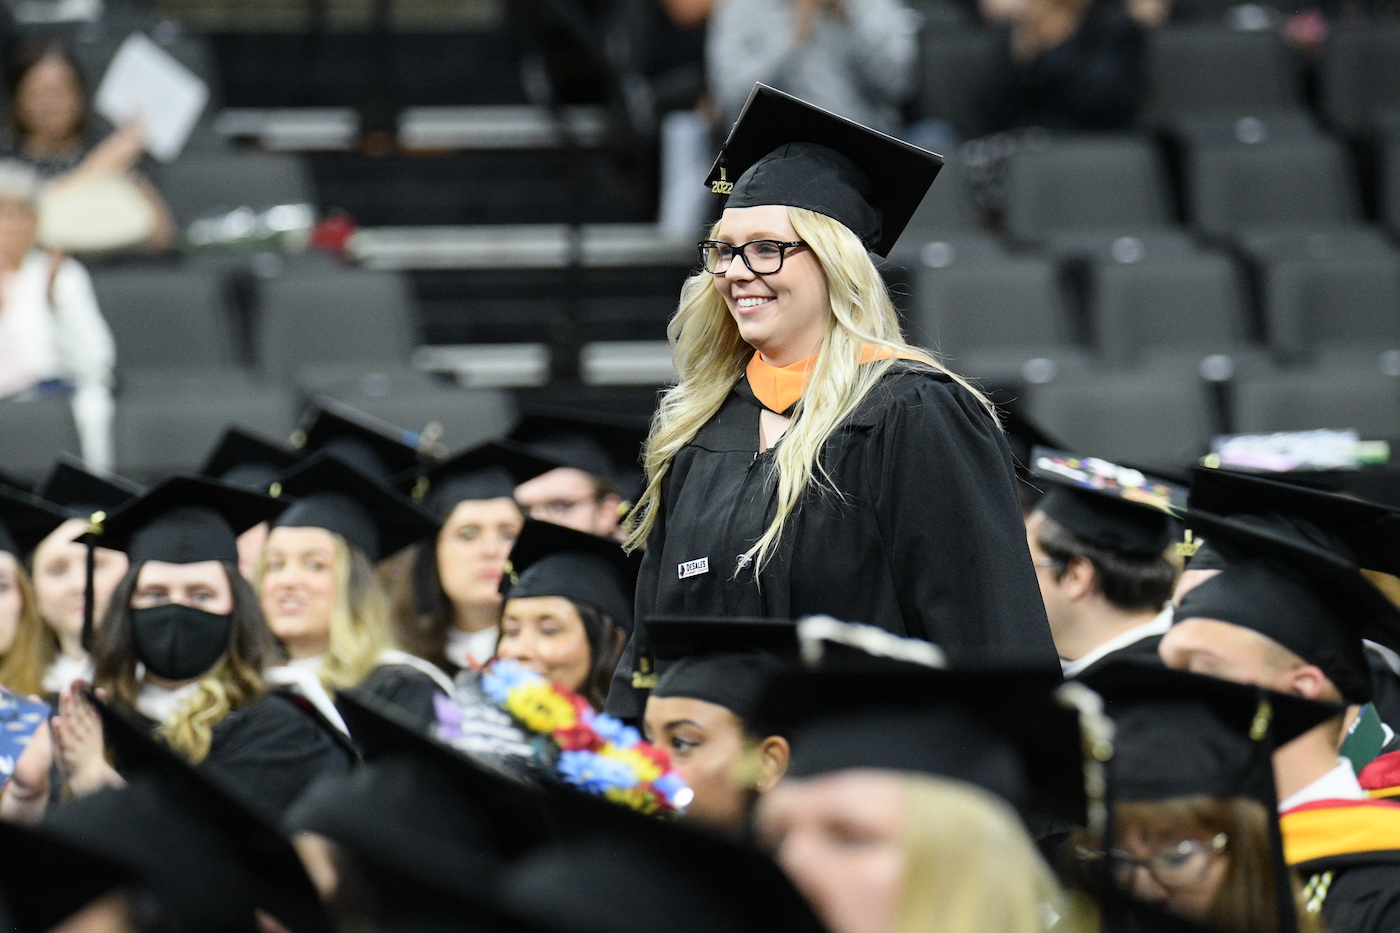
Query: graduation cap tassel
x=94 y=528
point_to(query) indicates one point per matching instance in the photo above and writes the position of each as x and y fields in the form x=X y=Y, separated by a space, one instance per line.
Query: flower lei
x=595 y=752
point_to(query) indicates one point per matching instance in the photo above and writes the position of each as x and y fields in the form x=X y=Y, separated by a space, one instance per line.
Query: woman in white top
x=53 y=339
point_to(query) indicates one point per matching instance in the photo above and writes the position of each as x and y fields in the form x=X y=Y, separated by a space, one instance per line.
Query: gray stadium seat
x=205 y=184
x=326 y=318
x=1390 y=184
x=456 y=418
x=948 y=209
x=1200 y=68
x=1155 y=420
x=1107 y=184
x=1341 y=398
x=1359 y=77
x=32 y=434
x=1349 y=299
x=166 y=318
x=956 y=64
x=1237 y=189
x=1196 y=303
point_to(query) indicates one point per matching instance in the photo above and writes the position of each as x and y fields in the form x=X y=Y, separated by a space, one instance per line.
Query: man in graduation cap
x=809 y=460
x=590 y=488
x=1290 y=614
x=1099 y=539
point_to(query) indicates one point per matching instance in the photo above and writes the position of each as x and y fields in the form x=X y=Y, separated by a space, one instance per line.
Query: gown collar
x=779 y=388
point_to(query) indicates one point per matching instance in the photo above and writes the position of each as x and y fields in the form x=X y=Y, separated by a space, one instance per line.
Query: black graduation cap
x=45 y=879
x=1307 y=597
x=82 y=491
x=605 y=447
x=1107 y=505
x=1180 y=734
x=782 y=150
x=1365 y=532
x=551 y=560
x=185 y=520
x=1002 y=730
x=375 y=446
x=244 y=459
x=201 y=851
x=25 y=520
x=367 y=513
x=728 y=662
x=418 y=807
x=487 y=471
x=618 y=871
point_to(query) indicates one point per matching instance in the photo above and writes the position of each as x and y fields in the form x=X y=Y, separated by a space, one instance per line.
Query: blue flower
x=449 y=716
x=595 y=774
x=616 y=731
x=675 y=790
x=498 y=680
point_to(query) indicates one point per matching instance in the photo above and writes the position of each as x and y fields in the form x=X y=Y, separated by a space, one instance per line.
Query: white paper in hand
x=146 y=82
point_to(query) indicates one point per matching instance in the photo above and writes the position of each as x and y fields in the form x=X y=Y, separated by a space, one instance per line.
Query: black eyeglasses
x=763 y=257
x=1175 y=866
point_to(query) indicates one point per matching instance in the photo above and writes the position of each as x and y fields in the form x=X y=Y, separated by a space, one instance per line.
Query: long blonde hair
x=970 y=866
x=710 y=357
x=31 y=652
x=359 y=626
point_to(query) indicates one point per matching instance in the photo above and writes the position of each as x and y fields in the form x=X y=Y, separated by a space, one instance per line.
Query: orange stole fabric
x=780 y=387
x=1328 y=828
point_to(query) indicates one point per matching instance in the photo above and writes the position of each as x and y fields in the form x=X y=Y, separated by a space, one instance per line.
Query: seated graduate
x=703 y=709
x=449 y=612
x=1191 y=784
x=1099 y=540
x=200 y=858
x=25 y=520
x=924 y=770
x=1290 y=614
x=320 y=594
x=183 y=647
x=243 y=459
x=567 y=612
x=59 y=563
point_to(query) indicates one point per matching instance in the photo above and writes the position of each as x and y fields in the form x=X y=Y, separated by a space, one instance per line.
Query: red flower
x=578 y=738
x=655 y=754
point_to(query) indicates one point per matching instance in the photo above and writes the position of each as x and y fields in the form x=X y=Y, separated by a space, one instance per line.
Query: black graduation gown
x=1142 y=651
x=925 y=538
x=409 y=690
x=269 y=750
x=1351 y=862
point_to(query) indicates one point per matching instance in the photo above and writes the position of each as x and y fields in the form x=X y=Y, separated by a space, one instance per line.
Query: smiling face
x=472 y=548
x=546 y=634
x=60 y=572
x=784 y=314
x=299 y=588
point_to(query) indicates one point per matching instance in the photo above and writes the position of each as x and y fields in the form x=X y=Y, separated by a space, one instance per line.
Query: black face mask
x=179 y=642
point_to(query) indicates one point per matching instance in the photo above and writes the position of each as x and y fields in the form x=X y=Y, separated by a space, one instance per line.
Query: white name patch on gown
x=693 y=568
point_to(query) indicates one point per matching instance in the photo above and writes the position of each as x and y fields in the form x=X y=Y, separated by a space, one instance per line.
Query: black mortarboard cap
x=25 y=520
x=45 y=879
x=185 y=520
x=1180 y=734
x=1002 y=730
x=1106 y=505
x=1365 y=532
x=728 y=662
x=243 y=459
x=618 y=871
x=782 y=150
x=487 y=471
x=370 y=515
x=1307 y=597
x=419 y=808
x=607 y=447
x=551 y=560
x=375 y=446
x=71 y=485
x=201 y=851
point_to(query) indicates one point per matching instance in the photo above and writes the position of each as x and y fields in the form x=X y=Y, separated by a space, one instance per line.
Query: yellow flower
x=541 y=708
x=645 y=769
x=638 y=798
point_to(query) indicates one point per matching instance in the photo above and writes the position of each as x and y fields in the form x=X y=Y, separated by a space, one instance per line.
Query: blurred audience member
x=1062 y=66
x=854 y=58
x=53 y=340
x=50 y=130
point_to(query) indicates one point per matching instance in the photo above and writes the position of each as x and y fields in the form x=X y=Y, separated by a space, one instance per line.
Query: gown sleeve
x=943 y=488
x=408 y=690
x=270 y=751
x=624 y=701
